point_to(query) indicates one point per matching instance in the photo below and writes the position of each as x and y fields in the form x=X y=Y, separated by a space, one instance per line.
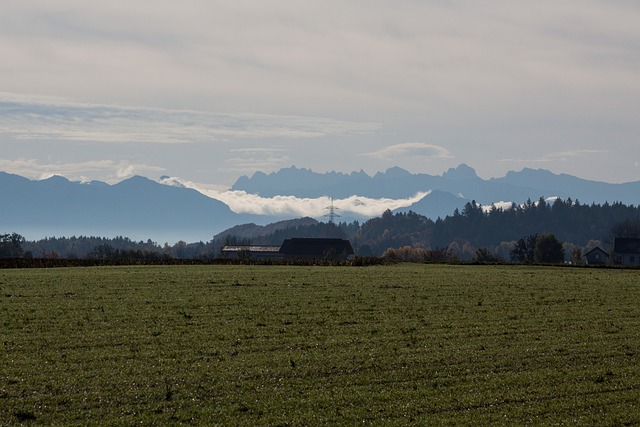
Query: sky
x=206 y=91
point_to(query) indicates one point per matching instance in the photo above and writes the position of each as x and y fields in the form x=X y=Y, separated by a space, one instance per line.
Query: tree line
x=475 y=233
x=498 y=231
x=91 y=247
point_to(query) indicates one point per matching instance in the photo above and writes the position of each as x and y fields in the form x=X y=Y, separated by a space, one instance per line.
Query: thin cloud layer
x=31 y=118
x=256 y=159
x=411 y=149
x=245 y=203
x=556 y=156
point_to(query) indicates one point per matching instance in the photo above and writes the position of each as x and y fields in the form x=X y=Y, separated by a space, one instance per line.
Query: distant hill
x=137 y=207
x=252 y=231
x=462 y=182
x=436 y=204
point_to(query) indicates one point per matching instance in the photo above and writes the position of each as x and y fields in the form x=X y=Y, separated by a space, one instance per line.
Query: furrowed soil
x=286 y=345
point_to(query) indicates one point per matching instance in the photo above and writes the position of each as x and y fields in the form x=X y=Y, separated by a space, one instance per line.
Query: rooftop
x=626 y=245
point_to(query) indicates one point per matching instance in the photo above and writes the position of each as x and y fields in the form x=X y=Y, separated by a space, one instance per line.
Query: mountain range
x=138 y=208
x=448 y=191
x=141 y=208
x=461 y=181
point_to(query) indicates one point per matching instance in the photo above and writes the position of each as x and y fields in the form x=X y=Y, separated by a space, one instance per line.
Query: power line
x=332 y=215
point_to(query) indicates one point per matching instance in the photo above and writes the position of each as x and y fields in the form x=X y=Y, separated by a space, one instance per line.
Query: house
x=627 y=251
x=596 y=256
x=251 y=252
x=316 y=248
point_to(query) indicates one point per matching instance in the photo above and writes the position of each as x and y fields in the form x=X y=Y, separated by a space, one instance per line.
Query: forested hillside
x=460 y=234
x=496 y=229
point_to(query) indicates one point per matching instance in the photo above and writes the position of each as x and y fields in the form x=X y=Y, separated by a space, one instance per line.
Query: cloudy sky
x=208 y=90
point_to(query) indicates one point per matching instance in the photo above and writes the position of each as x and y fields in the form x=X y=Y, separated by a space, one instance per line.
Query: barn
x=316 y=248
x=295 y=248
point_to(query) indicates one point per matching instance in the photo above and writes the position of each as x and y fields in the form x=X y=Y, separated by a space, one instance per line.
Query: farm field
x=288 y=345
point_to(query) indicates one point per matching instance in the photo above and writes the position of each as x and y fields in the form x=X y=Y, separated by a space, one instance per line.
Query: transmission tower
x=332 y=212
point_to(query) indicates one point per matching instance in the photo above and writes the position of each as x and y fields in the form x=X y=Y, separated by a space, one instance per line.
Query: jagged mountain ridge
x=462 y=181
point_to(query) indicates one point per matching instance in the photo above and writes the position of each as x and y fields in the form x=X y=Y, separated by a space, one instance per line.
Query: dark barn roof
x=316 y=248
x=626 y=246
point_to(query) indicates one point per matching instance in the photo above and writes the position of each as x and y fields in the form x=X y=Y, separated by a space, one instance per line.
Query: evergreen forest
x=463 y=235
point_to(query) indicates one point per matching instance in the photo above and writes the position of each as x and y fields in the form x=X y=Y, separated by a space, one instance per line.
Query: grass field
x=284 y=345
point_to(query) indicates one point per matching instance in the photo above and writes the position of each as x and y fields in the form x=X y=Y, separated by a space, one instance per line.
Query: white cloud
x=499 y=205
x=411 y=149
x=508 y=205
x=250 y=159
x=242 y=202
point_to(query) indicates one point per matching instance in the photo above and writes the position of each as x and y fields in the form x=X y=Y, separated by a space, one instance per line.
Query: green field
x=285 y=345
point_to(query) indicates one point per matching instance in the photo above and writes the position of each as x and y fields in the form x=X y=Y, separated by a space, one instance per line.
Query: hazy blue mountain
x=461 y=181
x=137 y=207
x=393 y=183
x=436 y=204
x=300 y=182
x=570 y=186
